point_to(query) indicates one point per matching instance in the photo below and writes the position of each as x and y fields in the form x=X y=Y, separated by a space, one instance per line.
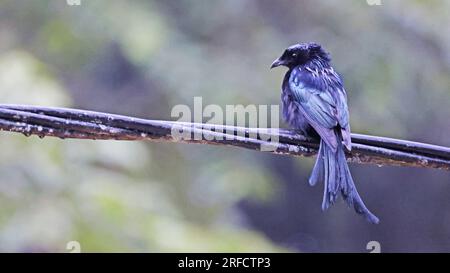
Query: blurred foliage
x=143 y=57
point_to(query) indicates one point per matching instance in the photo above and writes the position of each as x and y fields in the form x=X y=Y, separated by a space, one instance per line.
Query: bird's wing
x=343 y=116
x=323 y=106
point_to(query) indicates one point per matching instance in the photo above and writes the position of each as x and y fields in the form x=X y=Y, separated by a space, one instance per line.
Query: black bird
x=314 y=101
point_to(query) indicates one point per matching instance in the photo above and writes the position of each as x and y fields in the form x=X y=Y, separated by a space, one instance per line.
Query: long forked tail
x=332 y=168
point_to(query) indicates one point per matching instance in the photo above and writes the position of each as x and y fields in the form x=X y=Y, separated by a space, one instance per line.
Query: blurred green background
x=141 y=58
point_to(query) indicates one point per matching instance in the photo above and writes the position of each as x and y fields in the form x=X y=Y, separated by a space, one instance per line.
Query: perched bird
x=314 y=101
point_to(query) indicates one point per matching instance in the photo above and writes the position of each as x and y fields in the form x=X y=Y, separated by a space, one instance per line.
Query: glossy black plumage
x=314 y=101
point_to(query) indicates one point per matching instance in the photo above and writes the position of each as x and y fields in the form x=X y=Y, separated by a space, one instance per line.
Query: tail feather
x=317 y=174
x=331 y=168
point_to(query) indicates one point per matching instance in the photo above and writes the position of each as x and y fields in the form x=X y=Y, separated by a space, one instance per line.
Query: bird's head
x=299 y=54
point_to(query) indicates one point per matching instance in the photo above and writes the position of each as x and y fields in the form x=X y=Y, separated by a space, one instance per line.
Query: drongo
x=314 y=101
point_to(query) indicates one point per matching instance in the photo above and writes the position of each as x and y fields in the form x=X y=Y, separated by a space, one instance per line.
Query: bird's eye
x=294 y=54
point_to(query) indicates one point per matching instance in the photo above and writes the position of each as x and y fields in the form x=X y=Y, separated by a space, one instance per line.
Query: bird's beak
x=276 y=63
